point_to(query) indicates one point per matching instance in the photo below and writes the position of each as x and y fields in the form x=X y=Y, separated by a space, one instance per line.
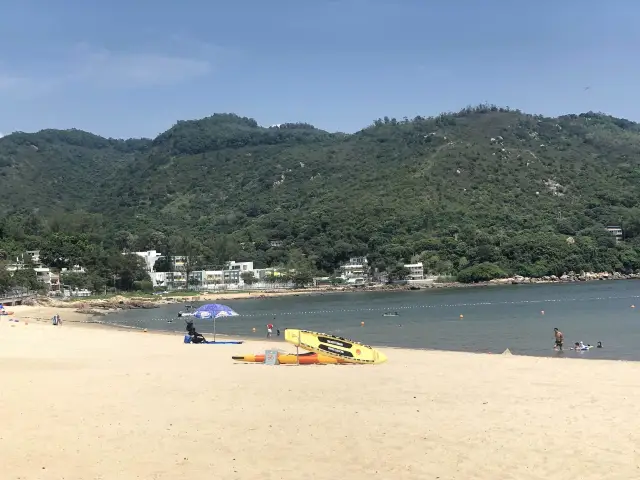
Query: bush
x=143 y=286
x=481 y=273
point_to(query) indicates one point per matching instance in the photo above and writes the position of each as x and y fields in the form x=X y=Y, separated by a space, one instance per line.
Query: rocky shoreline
x=570 y=277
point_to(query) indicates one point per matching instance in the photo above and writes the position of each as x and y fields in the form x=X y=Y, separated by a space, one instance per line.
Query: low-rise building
x=74 y=269
x=242 y=266
x=231 y=276
x=178 y=262
x=356 y=267
x=34 y=255
x=416 y=271
x=76 y=292
x=616 y=231
x=49 y=279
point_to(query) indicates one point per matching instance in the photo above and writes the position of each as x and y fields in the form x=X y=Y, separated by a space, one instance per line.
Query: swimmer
x=559 y=336
x=599 y=345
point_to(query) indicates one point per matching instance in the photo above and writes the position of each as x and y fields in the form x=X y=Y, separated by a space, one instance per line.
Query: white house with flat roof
x=356 y=267
x=616 y=231
x=416 y=270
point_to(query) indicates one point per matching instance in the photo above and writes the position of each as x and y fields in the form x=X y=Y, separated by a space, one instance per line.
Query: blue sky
x=132 y=68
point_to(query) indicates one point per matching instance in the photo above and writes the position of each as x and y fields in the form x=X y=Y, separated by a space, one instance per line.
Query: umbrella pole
x=214 y=329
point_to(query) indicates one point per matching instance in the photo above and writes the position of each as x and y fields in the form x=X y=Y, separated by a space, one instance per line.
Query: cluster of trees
x=20 y=280
x=479 y=193
x=65 y=242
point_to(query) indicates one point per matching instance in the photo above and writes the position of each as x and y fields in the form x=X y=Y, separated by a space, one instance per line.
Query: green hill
x=484 y=185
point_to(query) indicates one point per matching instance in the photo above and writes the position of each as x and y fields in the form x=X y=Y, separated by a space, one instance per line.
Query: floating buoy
x=254 y=329
x=542 y=312
x=461 y=316
x=362 y=324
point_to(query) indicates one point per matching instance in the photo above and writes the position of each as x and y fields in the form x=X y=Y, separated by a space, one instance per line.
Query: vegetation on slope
x=483 y=187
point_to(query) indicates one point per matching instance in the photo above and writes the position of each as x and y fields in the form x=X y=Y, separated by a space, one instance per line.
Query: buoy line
x=410 y=307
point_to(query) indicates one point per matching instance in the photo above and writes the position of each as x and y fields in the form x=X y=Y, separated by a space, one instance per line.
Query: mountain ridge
x=483 y=185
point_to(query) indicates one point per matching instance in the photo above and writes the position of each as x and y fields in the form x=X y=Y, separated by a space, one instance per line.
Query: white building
x=35 y=256
x=160 y=279
x=616 y=231
x=416 y=270
x=231 y=277
x=242 y=266
x=150 y=257
x=356 y=267
x=77 y=292
x=49 y=279
x=74 y=269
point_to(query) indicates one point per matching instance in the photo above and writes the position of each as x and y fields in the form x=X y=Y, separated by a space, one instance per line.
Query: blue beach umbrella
x=214 y=311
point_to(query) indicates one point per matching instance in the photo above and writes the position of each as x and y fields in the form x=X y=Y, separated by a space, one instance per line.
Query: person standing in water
x=559 y=336
x=269 y=330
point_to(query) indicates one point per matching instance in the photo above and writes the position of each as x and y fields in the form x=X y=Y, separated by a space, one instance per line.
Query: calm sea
x=483 y=319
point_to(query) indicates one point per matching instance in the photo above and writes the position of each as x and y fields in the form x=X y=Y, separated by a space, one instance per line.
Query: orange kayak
x=309 y=358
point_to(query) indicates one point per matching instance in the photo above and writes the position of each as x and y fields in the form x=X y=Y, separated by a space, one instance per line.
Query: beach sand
x=86 y=402
x=45 y=313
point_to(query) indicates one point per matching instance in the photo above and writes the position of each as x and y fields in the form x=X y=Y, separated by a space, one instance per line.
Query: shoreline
x=89 y=321
x=119 y=303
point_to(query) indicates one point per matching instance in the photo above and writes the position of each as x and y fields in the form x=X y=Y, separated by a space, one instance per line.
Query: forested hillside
x=526 y=193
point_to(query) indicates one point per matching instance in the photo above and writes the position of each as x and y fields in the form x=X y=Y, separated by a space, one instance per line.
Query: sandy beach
x=90 y=402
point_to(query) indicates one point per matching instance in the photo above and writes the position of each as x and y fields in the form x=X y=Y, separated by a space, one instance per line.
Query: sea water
x=479 y=319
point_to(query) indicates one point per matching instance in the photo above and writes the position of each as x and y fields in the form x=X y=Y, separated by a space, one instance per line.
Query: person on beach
x=269 y=330
x=559 y=336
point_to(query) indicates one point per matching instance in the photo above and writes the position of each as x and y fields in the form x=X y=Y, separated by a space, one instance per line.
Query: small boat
x=391 y=314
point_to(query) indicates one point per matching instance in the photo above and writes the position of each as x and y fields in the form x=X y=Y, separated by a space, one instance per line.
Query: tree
x=26 y=278
x=481 y=273
x=248 y=278
x=59 y=250
x=75 y=280
x=130 y=268
x=163 y=264
x=191 y=253
x=6 y=282
x=302 y=278
x=398 y=272
x=143 y=286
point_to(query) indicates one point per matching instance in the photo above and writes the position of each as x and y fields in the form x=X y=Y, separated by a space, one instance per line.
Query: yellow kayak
x=337 y=347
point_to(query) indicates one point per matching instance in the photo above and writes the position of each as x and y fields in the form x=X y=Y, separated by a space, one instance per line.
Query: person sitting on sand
x=559 y=336
x=195 y=336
